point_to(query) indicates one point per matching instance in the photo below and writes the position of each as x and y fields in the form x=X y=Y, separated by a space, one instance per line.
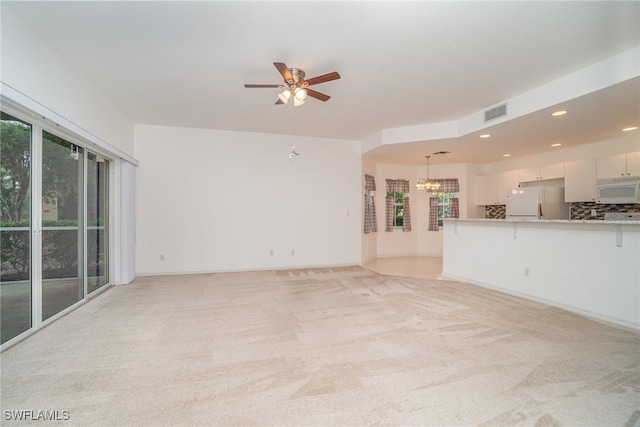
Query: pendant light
x=426 y=184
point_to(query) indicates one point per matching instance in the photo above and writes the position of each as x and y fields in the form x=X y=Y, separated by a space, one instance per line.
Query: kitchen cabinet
x=618 y=165
x=543 y=172
x=633 y=164
x=492 y=189
x=506 y=181
x=487 y=189
x=580 y=181
x=611 y=166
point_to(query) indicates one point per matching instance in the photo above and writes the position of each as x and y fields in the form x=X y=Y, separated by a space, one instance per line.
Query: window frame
x=41 y=127
x=398 y=203
x=443 y=205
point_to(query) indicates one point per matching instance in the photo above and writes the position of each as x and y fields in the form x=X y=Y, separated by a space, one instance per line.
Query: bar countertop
x=544 y=221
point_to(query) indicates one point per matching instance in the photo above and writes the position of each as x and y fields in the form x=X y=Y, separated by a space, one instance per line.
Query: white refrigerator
x=537 y=203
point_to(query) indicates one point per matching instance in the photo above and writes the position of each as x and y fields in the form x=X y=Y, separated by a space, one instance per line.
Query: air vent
x=441 y=152
x=494 y=113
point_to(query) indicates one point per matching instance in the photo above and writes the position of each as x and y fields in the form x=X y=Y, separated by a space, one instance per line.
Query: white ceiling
x=402 y=64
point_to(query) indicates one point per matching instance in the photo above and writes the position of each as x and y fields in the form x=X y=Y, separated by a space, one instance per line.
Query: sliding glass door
x=97 y=222
x=15 y=227
x=54 y=225
x=62 y=224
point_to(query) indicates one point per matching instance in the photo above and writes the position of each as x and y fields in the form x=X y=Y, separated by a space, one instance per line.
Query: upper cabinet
x=618 y=165
x=633 y=164
x=579 y=177
x=506 y=181
x=487 y=189
x=492 y=189
x=542 y=172
x=580 y=181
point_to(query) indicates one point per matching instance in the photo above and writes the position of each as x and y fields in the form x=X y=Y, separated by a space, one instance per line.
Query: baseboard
x=246 y=270
x=576 y=310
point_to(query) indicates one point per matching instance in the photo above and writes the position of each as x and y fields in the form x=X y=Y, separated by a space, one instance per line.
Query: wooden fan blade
x=317 y=95
x=279 y=102
x=261 y=86
x=323 y=78
x=284 y=70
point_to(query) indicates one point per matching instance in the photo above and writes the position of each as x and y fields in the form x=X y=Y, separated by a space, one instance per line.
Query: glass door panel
x=62 y=224
x=15 y=227
x=97 y=222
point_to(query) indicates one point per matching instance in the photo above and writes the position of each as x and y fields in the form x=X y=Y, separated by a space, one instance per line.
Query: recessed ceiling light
x=486 y=135
x=557 y=144
x=506 y=155
x=630 y=129
x=559 y=113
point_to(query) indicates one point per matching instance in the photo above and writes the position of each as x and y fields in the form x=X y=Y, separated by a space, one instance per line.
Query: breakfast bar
x=588 y=267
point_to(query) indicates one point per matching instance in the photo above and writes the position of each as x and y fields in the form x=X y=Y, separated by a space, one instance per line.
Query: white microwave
x=618 y=190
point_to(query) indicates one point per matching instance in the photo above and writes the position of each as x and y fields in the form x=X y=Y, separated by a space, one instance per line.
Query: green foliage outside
x=60 y=173
x=15 y=161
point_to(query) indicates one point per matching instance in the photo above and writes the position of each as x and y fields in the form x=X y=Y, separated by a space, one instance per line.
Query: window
x=398 y=208
x=398 y=212
x=15 y=226
x=444 y=204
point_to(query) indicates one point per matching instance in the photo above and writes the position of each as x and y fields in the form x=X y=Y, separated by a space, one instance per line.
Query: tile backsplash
x=495 y=211
x=579 y=210
x=582 y=210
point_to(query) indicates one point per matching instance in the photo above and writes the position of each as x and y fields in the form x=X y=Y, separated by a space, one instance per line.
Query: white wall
x=33 y=70
x=211 y=200
x=473 y=210
x=578 y=267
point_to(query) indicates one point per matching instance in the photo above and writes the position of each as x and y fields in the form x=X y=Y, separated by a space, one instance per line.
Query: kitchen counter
x=591 y=267
x=545 y=221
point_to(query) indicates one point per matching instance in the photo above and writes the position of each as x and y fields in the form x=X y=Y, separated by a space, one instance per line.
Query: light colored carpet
x=342 y=346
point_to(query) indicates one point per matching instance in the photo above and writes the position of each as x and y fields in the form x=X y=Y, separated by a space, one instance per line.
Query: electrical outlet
x=161 y=257
x=526 y=272
x=271 y=252
x=293 y=252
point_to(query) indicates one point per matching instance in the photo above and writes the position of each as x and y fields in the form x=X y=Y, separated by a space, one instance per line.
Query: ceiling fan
x=295 y=86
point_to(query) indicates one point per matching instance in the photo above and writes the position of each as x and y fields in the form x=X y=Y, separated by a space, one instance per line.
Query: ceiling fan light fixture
x=284 y=96
x=296 y=85
x=300 y=94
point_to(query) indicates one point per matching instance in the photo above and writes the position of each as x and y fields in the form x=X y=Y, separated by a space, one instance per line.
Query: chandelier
x=427 y=184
